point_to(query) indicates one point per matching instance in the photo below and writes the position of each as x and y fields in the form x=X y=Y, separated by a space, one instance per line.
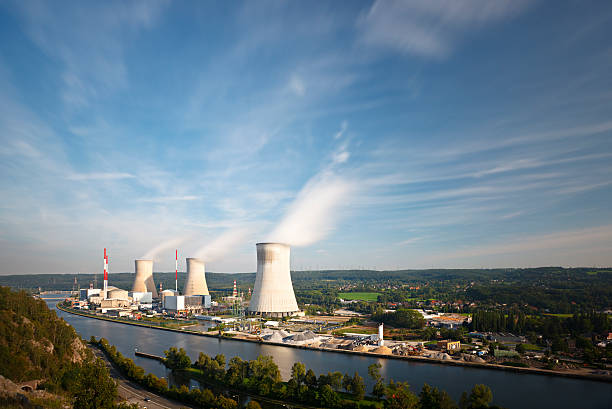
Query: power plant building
x=196 y=278
x=273 y=294
x=143 y=280
x=186 y=303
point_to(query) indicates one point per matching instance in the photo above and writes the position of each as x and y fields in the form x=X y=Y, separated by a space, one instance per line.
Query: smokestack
x=176 y=273
x=196 y=278
x=235 y=292
x=381 y=341
x=273 y=292
x=143 y=281
x=105 y=290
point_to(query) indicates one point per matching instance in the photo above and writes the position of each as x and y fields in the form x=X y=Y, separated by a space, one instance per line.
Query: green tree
x=328 y=397
x=399 y=396
x=95 y=389
x=357 y=386
x=479 y=397
x=347 y=382
x=520 y=348
x=177 y=359
x=434 y=399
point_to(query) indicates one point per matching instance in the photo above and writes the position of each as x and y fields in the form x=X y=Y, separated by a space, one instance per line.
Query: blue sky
x=367 y=134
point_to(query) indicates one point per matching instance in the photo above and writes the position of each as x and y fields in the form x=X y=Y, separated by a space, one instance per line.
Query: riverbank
x=537 y=371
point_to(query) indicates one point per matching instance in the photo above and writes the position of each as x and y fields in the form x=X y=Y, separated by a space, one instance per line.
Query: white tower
x=196 y=278
x=143 y=281
x=273 y=292
x=381 y=341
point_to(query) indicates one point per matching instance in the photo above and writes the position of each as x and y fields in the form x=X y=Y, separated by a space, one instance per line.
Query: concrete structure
x=186 y=303
x=381 y=341
x=196 y=279
x=142 y=298
x=117 y=294
x=273 y=294
x=143 y=280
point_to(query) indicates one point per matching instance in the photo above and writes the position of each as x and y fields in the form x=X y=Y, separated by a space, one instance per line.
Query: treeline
x=549 y=326
x=332 y=390
x=36 y=344
x=402 y=318
x=204 y=398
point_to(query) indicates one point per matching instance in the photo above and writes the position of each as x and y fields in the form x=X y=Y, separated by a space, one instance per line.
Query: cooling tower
x=273 y=292
x=143 y=281
x=196 y=279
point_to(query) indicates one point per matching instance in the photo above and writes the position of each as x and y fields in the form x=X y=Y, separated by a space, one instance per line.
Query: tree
x=253 y=405
x=520 y=348
x=479 y=398
x=357 y=386
x=347 y=382
x=95 y=389
x=177 y=359
x=328 y=397
x=378 y=389
x=399 y=396
x=311 y=379
x=434 y=399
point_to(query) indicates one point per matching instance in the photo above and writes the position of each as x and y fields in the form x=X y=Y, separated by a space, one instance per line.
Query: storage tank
x=143 y=280
x=117 y=294
x=196 y=278
x=273 y=292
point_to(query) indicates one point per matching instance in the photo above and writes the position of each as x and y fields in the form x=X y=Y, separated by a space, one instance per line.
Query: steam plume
x=314 y=212
x=172 y=243
x=223 y=244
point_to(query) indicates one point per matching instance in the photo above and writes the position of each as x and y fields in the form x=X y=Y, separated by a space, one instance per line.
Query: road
x=134 y=393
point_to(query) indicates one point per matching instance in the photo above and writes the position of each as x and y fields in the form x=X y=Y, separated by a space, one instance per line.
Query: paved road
x=134 y=393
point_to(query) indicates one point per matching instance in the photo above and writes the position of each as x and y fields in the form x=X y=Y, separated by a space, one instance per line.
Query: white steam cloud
x=226 y=242
x=315 y=211
x=154 y=252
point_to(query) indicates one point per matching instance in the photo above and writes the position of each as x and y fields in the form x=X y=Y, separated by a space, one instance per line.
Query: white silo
x=143 y=281
x=273 y=292
x=196 y=278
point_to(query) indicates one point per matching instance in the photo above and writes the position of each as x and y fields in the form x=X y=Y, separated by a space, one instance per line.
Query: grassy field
x=560 y=315
x=532 y=347
x=359 y=296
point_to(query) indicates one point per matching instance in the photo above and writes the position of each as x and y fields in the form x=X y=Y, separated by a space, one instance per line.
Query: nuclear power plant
x=196 y=278
x=143 y=281
x=273 y=294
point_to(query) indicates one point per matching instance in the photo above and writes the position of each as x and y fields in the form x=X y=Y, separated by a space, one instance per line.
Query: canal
x=510 y=390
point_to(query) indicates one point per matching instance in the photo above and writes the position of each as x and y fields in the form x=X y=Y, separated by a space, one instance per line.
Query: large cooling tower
x=143 y=281
x=196 y=280
x=273 y=292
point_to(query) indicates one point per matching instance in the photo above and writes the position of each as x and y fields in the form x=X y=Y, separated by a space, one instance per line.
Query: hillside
x=36 y=345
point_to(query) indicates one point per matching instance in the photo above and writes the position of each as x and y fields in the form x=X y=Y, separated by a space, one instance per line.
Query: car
x=147 y=399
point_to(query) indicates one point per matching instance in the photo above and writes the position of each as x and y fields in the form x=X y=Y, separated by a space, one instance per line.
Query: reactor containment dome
x=196 y=278
x=273 y=294
x=143 y=281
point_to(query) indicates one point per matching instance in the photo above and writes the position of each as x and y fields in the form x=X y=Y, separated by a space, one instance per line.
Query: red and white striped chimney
x=105 y=274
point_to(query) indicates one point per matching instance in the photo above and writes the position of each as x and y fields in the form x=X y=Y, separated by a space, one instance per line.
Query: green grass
x=359 y=296
x=532 y=347
x=560 y=315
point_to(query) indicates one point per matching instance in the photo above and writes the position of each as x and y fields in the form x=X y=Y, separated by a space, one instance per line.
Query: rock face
x=78 y=351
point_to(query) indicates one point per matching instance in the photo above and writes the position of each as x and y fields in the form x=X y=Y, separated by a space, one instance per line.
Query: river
x=510 y=390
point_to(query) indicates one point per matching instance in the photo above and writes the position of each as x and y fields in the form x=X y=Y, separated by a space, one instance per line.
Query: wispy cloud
x=100 y=176
x=430 y=28
x=164 y=199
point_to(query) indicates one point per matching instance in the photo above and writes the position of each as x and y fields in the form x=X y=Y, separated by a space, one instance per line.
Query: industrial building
x=273 y=294
x=196 y=278
x=186 y=304
x=143 y=279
